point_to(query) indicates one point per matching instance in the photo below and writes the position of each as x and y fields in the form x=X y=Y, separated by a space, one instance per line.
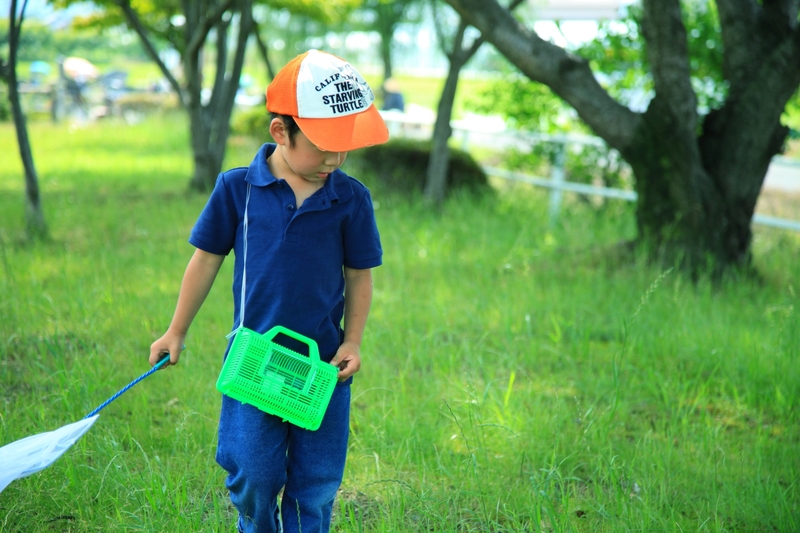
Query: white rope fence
x=620 y=194
x=419 y=124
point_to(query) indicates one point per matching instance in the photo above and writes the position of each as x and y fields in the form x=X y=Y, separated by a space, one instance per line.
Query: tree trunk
x=439 y=162
x=204 y=168
x=34 y=217
x=386 y=56
x=697 y=180
x=227 y=87
x=388 y=15
x=210 y=122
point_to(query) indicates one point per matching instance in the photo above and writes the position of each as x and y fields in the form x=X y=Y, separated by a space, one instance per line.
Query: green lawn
x=516 y=377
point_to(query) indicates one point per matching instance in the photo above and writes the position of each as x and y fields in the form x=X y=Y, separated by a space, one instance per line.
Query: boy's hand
x=169 y=343
x=348 y=359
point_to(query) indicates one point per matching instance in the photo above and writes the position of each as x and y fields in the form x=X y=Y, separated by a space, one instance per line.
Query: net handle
x=129 y=385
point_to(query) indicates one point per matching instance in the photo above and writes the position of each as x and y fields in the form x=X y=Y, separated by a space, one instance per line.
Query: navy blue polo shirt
x=295 y=257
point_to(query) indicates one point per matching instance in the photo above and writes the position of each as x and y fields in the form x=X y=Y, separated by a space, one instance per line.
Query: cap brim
x=345 y=133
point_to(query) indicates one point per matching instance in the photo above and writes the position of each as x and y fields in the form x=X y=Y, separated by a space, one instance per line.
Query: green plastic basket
x=277 y=380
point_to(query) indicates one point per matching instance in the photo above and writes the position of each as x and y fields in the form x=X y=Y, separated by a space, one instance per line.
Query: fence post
x=557 y=177
x=465 y=140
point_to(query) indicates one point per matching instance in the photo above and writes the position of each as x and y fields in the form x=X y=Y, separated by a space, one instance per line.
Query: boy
x=311 y=240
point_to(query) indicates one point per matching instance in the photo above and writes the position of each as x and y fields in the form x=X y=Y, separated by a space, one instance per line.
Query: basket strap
x=244 y=267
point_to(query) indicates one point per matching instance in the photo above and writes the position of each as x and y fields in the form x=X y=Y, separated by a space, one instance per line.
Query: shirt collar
x=337 y=187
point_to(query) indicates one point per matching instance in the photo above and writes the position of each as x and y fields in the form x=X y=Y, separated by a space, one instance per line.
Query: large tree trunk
x=697 y=180
x=697 y=197
x=34 y=217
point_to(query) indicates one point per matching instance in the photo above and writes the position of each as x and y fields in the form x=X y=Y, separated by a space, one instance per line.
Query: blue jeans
x=262 y=455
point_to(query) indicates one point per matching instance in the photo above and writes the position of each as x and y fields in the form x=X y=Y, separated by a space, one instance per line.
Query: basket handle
x=313 y=350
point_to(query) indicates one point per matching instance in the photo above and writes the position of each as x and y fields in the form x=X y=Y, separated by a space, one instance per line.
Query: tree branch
x=438 y=25
x=737 y=19
x=15 y=27
x=568 y=75
x=783 y=13
x=206 y=23
x=456 y=52
x=138 y=27
x=668 y=54
x=220 y=70
x=262 y=48
x=480 y=40
x=21 y=17
x=220 y=122
x=750 y=33
x=772 y=83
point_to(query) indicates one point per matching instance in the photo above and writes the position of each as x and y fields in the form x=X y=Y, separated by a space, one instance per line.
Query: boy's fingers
x=156 y=355
x=347 y=368
x=174 y=355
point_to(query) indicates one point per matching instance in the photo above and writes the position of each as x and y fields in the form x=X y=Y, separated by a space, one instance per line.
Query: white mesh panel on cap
x=328 y=87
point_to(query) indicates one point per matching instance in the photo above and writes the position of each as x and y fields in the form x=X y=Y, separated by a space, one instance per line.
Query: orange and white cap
x=330 y=101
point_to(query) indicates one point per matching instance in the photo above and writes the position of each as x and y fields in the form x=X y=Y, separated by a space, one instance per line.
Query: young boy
x=305 y=265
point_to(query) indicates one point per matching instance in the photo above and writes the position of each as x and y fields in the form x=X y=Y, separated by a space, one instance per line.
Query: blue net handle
x=129 y=385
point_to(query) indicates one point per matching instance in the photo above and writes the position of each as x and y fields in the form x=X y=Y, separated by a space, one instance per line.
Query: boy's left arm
x=357 y=301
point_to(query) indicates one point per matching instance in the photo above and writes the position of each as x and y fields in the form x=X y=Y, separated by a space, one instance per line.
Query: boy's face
x=302 y=158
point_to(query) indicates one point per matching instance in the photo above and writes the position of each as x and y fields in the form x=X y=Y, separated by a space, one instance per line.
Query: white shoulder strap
x=244 y=268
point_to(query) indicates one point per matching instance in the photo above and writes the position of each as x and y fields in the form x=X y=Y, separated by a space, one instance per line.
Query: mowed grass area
x=516 y=377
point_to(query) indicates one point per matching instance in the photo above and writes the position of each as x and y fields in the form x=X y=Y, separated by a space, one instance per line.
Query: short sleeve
x=215 y=229
x=362 y=243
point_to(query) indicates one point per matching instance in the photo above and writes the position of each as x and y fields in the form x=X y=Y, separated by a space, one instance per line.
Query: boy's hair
x=292 y=129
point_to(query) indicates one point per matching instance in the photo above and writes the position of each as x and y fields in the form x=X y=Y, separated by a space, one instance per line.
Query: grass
x=516 y=377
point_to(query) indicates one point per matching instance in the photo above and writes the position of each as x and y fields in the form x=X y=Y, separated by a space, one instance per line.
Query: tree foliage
x=201 y=32
x=383 y=17
x=618 y=57
x=700 y=145
x=40 y=42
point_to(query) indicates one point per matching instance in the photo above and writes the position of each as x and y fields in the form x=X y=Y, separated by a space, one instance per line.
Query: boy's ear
x=277 y=129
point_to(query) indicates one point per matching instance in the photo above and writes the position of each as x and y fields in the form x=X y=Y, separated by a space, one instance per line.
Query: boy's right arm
x=197 y=281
